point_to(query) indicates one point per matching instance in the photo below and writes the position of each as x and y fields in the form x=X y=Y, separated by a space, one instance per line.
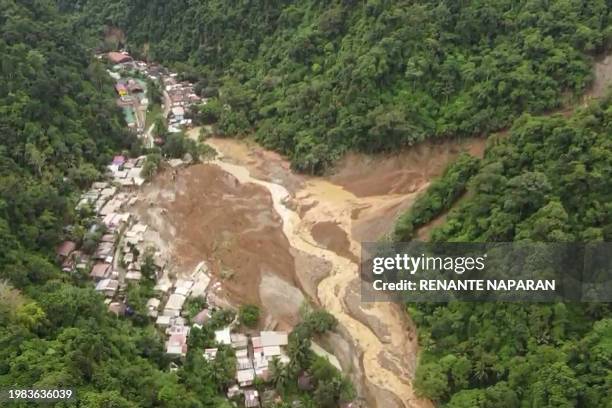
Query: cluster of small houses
x=114 y=262
x=178 y=95
x=253 y=358
x=127 y=172
x=253 y=354
x=131 y=91
x=169 y=318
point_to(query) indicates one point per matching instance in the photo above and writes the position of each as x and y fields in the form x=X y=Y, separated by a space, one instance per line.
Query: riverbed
x=278 y=239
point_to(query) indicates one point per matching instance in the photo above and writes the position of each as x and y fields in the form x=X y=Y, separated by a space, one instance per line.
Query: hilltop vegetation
x=314 y=79
x=549 y=181
x=58 y=126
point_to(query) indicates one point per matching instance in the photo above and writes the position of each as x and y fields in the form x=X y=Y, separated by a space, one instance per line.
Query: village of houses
x=118 y=257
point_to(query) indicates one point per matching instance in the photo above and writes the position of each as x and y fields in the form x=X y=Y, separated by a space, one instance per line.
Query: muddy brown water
x=272 y=235
x=275 y=238
x=325 y=218
x=332 y=237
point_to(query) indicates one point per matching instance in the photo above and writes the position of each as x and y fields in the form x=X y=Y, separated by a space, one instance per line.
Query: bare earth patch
x=205 y=213
x=400 y=172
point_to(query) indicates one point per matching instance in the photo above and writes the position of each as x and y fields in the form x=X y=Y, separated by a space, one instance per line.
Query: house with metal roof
x=251 y=399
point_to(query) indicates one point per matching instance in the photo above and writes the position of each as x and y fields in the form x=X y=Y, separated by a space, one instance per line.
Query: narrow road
x=167 y=103
x=148 y=137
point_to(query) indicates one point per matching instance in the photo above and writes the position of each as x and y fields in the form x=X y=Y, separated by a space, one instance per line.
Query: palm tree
x=299 y=352
x=280 y=374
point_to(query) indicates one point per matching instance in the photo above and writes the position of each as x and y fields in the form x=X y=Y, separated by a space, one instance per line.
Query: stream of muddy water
x=326 y=218
x=332 y=290
x=276 y=238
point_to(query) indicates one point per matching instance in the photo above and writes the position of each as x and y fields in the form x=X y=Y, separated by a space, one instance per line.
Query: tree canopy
x=59 y=126
x=547 y=180
x=313 y=79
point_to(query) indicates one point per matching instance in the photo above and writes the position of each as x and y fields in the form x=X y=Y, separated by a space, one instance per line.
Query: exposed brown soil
x=263 y=164
x=232 y=225
x=424 y=233
x=310 y=270
x=400 y=172
x=114 y=35
x=376 y=332
x=281 y=300
x=376 y=216
x=603 y=78
x=269 y=233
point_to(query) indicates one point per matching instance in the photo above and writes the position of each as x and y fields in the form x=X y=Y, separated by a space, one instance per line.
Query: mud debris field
x=276 y=239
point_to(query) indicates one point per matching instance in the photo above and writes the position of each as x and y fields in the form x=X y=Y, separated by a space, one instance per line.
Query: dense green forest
x=313 y=79
x=439 y=197
x=548 y=180
x=58 y=126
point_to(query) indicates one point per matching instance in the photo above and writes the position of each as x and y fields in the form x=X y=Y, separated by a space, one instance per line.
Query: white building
x=178 y=112
x=223 y=336
x=174 y=304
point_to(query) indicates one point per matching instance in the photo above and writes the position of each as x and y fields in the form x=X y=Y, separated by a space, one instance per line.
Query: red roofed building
x=100 y=271
x=177 y=344
x=65 y=249
x=201 y=317
x=118 y=57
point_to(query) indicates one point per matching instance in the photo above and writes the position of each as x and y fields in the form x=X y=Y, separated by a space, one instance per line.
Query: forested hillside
x=549 y=181
x=58 y=126
x=314 y=79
